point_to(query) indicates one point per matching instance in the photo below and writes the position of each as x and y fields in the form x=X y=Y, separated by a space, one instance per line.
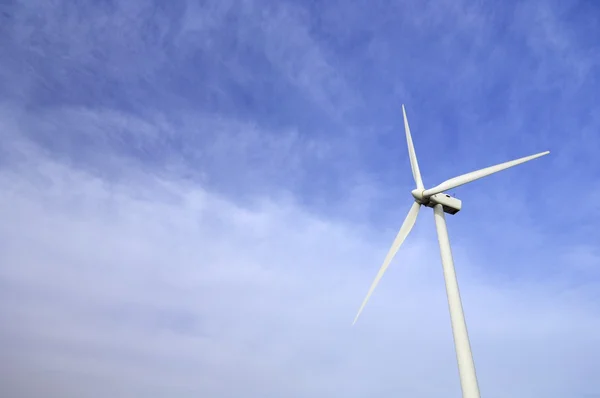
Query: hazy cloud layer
x=164 y=288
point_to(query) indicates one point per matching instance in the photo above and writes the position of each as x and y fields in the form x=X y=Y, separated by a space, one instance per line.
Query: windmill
x=441 y=203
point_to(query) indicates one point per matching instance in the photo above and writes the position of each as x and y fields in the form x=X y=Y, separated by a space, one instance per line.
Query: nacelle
x=450 y=204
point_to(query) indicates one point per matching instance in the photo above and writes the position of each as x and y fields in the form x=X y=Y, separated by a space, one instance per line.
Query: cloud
x=154 y=285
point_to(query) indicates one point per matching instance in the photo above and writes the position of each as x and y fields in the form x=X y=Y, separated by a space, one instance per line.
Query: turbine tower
x=441 y=203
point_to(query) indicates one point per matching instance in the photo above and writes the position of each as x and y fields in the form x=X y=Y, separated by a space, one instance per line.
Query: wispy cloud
x=196 y=196
x=164 y=286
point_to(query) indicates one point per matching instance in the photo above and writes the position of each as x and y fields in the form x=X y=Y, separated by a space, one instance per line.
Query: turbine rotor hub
x=418 y=195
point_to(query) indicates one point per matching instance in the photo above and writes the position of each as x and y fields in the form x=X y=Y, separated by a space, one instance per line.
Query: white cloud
x=161 y=288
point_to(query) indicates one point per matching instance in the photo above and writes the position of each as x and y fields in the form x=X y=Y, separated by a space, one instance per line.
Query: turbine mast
x=466 y=365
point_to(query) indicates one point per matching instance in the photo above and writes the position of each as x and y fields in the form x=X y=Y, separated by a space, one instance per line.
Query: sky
x=196 y=196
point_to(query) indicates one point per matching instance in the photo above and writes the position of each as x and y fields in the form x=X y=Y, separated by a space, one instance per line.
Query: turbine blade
x=475 y=175
x=414 y=165
x=407 y=226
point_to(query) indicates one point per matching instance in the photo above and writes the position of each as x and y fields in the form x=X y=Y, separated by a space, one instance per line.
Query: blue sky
x=197 y=195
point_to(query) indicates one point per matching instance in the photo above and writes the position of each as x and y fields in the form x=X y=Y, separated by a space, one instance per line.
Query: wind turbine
x=443 y=203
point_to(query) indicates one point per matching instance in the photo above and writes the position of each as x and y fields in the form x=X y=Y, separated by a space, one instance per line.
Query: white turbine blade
x=407 y=226
x=414 y=165
x=475 y=175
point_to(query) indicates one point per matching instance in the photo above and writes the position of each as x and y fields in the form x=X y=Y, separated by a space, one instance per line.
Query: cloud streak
x=158 y=285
